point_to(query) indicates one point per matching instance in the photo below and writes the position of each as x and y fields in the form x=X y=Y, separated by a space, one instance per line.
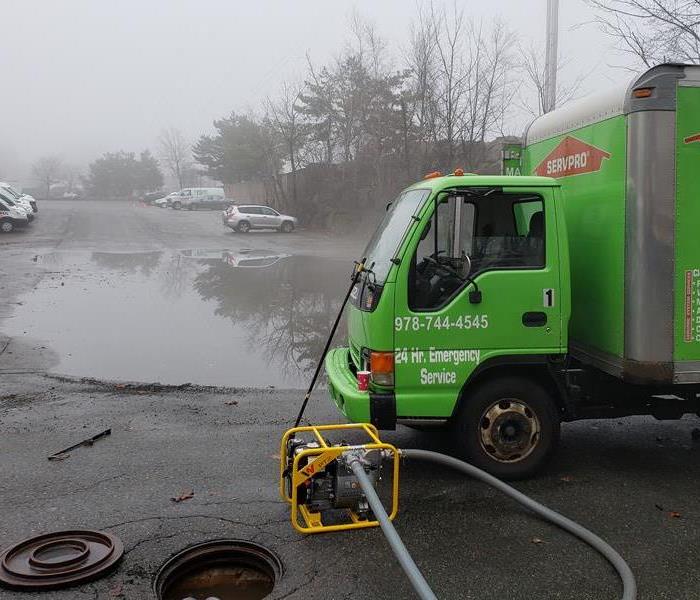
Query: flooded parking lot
x=246 y=317
x=115 y=291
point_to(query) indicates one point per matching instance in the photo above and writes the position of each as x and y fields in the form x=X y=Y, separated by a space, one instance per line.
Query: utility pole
x=551 y=56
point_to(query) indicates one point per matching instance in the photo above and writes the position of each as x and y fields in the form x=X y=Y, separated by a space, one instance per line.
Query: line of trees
x=346 y=136
x=122 y=174
x=367 y=124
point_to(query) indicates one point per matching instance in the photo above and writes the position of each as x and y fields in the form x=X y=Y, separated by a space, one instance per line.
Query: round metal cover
x=59 y=559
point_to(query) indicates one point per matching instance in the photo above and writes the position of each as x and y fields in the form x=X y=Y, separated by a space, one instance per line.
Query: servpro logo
x=571 y=157
x=692 y=138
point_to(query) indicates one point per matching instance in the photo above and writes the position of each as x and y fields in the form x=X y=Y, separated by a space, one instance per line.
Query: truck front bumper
x=378 y=408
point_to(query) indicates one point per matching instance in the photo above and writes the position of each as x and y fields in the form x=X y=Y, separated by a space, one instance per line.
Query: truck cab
x=463 y=296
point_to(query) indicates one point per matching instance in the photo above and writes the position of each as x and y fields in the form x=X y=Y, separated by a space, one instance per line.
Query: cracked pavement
x=621 y=478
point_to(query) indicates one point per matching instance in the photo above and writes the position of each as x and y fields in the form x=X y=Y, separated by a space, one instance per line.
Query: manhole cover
x=59 y=559
x=220 y=570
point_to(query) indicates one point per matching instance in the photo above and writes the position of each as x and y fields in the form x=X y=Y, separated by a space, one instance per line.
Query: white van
x=194 y=198
x=11 y=215
x=23 y=200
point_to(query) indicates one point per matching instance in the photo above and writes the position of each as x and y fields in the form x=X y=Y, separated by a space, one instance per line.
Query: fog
x=86 y=77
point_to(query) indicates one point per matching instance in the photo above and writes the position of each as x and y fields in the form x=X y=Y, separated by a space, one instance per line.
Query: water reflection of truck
x=502 y=306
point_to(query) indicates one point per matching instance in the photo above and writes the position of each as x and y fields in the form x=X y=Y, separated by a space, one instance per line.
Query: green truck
x=501 y=306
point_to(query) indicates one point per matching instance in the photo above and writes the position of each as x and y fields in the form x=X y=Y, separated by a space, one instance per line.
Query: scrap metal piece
x=62 y=454
x=59 y=559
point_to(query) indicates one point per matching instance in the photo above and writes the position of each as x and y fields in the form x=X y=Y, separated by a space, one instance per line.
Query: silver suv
x=245 y=217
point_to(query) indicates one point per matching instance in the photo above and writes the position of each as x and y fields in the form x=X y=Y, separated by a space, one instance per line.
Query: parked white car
x=244 y=217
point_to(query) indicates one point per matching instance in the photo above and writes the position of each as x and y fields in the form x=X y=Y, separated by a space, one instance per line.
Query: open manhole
x=219 y=570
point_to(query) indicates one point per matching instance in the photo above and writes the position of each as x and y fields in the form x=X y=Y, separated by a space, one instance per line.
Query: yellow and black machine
x=318 y=477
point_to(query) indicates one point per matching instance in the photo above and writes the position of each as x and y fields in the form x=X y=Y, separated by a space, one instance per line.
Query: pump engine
x=315 y=477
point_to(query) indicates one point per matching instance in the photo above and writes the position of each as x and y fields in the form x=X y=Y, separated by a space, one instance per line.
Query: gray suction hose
x=414 y=575
x=629 y=584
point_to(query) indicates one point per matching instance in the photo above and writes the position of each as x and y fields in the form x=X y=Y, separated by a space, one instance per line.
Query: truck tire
x=6 y=226
x=508 y=427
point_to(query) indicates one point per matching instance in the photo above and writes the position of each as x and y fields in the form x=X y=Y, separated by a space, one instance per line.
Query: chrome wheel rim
x=6 y=227
x=509 y=430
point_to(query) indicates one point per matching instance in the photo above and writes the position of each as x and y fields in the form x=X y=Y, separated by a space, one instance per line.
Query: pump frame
x=319 y=459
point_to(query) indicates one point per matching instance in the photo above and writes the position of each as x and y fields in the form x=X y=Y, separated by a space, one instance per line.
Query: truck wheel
x=243 y=227
x=508 y=427
x=6 y=226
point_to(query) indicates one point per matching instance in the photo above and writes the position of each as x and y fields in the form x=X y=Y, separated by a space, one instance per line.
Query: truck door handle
x=534 y=319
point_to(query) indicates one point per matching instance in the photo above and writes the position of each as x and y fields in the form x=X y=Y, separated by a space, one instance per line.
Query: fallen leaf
x=674 y=515
x=183 y=496
x=566 y=478
x=537 y=540
x=275 y=456
x=117 y=591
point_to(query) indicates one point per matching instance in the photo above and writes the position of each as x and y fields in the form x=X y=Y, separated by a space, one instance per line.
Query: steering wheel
x=443 y=269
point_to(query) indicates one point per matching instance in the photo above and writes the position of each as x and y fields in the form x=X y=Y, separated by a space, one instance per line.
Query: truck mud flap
x=382 y=410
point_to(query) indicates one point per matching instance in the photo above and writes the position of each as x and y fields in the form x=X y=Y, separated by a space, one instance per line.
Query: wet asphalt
x=633 y=481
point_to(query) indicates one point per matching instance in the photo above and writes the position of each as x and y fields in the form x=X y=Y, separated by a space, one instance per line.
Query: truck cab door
x=479 y=281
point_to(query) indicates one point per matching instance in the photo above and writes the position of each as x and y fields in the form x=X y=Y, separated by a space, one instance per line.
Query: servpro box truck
x=501 y=306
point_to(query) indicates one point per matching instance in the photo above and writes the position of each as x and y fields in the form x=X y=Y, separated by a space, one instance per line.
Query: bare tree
x=488 y=90
x=653 y=31
x=47 y=170
x=451 y=75
x=176 y=154
x=533 y=70
x=287 y=123
x=421 y=61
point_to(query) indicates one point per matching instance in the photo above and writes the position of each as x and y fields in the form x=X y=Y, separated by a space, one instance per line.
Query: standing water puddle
x=231 y=318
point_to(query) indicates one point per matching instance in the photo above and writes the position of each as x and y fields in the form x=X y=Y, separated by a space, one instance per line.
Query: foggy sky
x=83 y=77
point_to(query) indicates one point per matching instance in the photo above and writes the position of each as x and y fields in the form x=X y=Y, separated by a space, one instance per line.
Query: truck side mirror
x=467 y=264
x=475 y=294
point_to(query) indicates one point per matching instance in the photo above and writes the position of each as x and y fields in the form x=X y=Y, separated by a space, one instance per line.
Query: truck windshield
x=386 y=239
